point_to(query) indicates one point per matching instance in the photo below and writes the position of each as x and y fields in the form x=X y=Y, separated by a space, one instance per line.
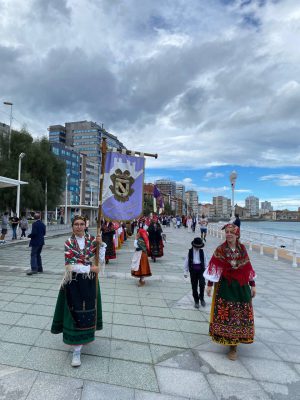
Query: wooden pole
x=99 y=217
x=132 y=152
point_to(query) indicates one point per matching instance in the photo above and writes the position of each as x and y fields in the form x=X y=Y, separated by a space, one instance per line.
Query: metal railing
x=291 y=245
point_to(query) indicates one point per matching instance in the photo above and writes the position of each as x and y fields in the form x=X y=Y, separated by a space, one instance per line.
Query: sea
x=279 y=228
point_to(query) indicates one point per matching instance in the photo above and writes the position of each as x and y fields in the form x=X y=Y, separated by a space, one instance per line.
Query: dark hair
x=78 y=217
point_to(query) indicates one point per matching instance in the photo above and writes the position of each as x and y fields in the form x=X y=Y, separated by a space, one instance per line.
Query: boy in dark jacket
x=195 y=263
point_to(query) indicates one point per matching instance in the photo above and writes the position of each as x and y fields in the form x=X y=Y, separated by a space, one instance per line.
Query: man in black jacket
x=38 y=231
x=196 y=263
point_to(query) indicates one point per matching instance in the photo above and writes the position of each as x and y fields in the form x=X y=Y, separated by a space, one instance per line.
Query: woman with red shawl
x=231 y=317
x=140 y=267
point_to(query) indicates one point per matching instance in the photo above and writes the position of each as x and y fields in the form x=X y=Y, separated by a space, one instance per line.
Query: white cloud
x=212 y=175
x=202 y=83
x=282 y=179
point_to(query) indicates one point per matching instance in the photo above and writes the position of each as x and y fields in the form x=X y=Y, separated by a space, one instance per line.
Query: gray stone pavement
x=154 y=345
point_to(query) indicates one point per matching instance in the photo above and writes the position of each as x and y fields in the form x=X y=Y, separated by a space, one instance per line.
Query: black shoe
x=203 y=304
x=196 y=305
x=31 y=272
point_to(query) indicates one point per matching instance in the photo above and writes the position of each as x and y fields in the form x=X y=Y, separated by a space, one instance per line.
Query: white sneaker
x=76 y=359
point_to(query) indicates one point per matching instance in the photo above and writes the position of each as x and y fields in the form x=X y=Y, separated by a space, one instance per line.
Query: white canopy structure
x=8 y=182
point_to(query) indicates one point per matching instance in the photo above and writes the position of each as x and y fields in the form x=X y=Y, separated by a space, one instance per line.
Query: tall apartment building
x=252 y=204
x=85 y=138
x=192 y=201
x=222 y=206
x=265 y=207
x=72 y=160
x=166 y=186
x=180 y=191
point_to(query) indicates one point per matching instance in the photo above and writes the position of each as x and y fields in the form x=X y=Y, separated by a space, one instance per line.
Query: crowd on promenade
x=78 y=312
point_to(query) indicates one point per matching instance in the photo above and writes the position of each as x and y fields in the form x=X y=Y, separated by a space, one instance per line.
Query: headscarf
x=232 y=264
x=144 y=236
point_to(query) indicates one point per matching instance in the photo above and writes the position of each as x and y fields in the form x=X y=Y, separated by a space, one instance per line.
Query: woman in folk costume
x=140 y=267
x=231 y=318
x=78 y=311
x=108 y=232
x=155 y=239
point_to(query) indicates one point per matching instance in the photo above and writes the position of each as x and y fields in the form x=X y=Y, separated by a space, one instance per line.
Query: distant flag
x=122 y=197
x=158 y=197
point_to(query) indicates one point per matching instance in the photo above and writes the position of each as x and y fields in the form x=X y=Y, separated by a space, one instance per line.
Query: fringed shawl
x=74 y=255
x=231 y=264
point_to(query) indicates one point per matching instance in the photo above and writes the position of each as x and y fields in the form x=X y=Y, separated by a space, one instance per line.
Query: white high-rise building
x=265 y=207
x=252 y=204
x=192 y=201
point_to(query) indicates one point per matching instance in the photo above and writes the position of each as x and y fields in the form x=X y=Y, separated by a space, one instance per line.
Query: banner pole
x=99 y=218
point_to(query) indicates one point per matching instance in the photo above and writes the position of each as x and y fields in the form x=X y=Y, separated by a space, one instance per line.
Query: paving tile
x=17 y=307
x=99 y=347
x=191 y=315
x=139 y=395
x=167 y=338
x=103 y=391
x=130 y=351
x=127 y=319
x=227 y=388
x=157 y=312
x=3 y=305
x=12 y=353
x=55 y=388
x=8 y=296
x=183 y=383
x=131 y=333
x=162 y=353
x=3 y=329
x=270 y=371
x=193 y=326
x=34 y=321
x=9 y=318
x=12 y=289
x=105 y=332
x=38 y=309
x=26 y=298
x=186 y=360
x=50 y=341
x=257 y=350
x=127 y=309
x=274 y=389
x=292 y=325
x=17 y=334
x=276 y=336
x=45 y=360
x=289 y=353
x=161 y=323
x=127 y=300
x=134 y=375
x=220 y=364
x=15 y=383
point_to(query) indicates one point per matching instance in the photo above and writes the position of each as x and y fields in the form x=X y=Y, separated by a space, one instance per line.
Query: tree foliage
x=38 y=166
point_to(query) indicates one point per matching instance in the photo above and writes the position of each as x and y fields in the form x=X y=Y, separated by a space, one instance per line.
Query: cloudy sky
x=210 y=85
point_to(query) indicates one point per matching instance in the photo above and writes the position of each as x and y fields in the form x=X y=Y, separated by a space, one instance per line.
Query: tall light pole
x=8 y=103
x=232 y=177
x=66 y=204
x=22 y=155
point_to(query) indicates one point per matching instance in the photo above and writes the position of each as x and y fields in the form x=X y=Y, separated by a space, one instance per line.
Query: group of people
x=78 y=312
x=14 y=222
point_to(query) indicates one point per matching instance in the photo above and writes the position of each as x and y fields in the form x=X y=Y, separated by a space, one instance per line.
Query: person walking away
x=203 y=227
x=4 y=226
x=194 y=222
x=196 y=263
x=14 y=225
x=231 y=316
x=108 y=232
x=37 y=241
x=155 y=240
x=24 y=226
x=78 y=311
x=140 y=267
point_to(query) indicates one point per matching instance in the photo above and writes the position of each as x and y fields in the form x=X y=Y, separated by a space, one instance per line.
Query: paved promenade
x=154 y=345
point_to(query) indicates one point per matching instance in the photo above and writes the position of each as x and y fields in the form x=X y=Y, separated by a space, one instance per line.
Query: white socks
x=77 y=348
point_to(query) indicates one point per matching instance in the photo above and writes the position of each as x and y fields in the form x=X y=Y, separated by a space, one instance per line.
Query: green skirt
x=64 y=319
x=231 y=318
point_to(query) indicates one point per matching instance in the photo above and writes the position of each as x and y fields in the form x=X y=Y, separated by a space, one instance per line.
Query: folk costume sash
x=232 y=264
x=145 y=237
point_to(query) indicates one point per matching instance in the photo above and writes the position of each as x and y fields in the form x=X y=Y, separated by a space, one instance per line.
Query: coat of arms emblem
x=122 y=182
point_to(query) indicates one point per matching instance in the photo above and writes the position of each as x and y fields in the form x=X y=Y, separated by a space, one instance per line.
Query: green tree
x=38 y=166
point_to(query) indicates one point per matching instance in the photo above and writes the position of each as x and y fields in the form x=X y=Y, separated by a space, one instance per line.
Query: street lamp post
x=22 y=155
x=8 y=103
x=66 y=205
x=232 y=177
